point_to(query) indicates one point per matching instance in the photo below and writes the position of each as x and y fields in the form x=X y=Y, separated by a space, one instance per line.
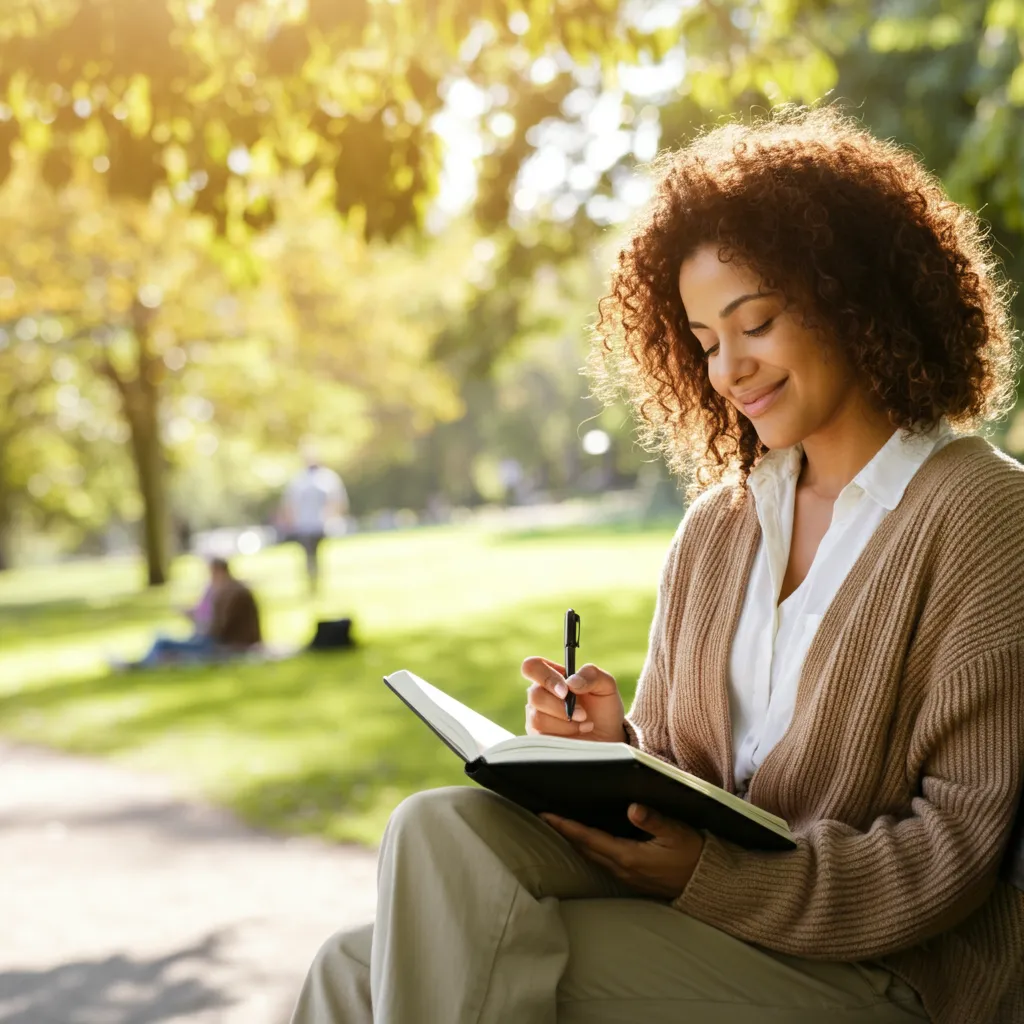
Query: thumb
x=651 y=821
x=591 y=679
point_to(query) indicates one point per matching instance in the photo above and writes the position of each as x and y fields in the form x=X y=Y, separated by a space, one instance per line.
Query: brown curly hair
x=853 y=231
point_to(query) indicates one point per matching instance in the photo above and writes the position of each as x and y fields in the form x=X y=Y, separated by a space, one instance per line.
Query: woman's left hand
x=658 y=867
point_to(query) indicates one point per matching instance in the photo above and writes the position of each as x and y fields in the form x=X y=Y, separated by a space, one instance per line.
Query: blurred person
x=182 y=534
x=511 y=477
x=226 y=620
x=804 y=317
x=312 y=503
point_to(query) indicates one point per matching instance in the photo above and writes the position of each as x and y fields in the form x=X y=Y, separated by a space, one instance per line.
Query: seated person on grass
x=838 y=637
x=226 y=619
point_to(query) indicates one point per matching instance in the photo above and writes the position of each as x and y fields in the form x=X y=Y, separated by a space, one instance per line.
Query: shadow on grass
x=22 y=624
x=117 y=988
x=318 y=744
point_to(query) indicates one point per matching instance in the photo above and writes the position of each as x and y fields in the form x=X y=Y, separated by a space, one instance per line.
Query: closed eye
x=755 y=332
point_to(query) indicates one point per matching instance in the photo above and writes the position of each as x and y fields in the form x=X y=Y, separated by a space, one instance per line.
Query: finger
x=540 y=724
x=658 y=825
x=591 y=679
x=546 y=702
x=620 y=851
x=591 y=854
x=650 y=821
x=547 y=674
x=609 y=865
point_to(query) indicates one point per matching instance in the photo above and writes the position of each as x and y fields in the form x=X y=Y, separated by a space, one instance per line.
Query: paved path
x=121 y=903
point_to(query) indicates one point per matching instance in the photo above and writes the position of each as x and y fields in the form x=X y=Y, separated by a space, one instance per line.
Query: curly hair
x=856 y=234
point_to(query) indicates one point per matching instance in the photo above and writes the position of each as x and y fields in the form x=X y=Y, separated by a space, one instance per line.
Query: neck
x=841 y=448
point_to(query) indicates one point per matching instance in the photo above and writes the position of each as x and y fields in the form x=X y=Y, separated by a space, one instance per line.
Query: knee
x=428 y=805
x=446 y=806
x=160 y=648
x=344 y=947
x=337 y=985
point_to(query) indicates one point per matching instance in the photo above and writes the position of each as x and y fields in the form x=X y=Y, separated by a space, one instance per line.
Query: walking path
x=121 y=903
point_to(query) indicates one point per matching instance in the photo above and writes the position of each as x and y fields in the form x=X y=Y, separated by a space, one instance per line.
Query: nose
x=734 y=362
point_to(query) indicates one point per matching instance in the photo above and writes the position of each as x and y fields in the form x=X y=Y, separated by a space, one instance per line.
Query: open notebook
x=587 y=781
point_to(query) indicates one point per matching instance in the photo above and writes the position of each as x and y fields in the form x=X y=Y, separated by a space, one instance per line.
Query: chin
x=777 y=435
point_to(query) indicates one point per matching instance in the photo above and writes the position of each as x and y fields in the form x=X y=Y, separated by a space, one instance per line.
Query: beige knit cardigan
x=902 y=768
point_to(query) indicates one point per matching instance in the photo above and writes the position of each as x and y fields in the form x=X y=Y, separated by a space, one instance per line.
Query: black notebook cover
x=598 y=793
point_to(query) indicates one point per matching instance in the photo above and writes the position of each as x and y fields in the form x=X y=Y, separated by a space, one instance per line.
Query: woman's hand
x=660 y=867
x=599 y=713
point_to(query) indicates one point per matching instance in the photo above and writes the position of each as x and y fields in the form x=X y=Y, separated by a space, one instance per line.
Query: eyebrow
x=731 y=307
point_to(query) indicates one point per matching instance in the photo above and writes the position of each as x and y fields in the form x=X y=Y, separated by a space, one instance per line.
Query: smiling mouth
x=759 y=405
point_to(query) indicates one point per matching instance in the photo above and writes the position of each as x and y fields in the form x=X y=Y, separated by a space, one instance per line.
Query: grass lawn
x=317 y=744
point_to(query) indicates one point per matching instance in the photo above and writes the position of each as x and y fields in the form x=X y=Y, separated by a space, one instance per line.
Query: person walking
x=313 y=502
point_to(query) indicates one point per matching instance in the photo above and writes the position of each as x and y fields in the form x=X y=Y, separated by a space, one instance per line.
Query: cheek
x=824 y=380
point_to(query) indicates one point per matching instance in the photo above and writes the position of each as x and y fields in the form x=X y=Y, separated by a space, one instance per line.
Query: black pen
x=572 y=641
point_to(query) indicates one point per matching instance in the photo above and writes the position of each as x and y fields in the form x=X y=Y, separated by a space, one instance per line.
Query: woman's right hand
x=599 y=713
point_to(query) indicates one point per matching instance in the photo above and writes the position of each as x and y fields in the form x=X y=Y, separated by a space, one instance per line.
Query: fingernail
x=587 y=727
x=579 y=715
x=561 y=689
x=637 y=812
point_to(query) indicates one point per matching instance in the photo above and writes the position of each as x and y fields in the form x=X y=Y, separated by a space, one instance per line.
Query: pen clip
x=572 y=629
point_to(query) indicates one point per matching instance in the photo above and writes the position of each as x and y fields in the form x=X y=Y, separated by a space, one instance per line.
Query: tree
x=23 y=377
x=124 y=290
x=950 y=83
x=59 y=465
x=945 y=78
x=203 y=96
x=310 y=332
x=341 y=354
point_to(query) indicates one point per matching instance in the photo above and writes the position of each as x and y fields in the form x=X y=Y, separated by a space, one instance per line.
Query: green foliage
x=198 y=353
x=215 y=98
x=317 y=744
x=945 y=77
x=941 y=79
x=187 y=295
x=58 y=449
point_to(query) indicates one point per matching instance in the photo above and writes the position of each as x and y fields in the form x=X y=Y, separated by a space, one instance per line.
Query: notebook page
x=555 y=748
x=469 y=732
x=722 y=796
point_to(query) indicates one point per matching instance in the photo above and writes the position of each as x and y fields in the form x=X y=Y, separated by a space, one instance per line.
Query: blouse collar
x=883 y=479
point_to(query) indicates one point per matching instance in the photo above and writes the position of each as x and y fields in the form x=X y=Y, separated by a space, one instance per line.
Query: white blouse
x=772 y=639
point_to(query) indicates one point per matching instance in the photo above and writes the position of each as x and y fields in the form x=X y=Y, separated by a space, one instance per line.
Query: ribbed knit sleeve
x=647 y=724
x=846 y=894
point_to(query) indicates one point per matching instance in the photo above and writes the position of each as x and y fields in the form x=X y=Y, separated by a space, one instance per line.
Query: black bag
x=332 y=635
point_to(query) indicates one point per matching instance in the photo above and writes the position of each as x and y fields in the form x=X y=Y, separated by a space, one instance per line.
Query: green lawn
x=317 y=744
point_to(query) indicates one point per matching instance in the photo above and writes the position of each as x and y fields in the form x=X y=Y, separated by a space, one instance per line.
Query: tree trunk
x=6 y=513
x=140 y=400
x=148 y=456
x=5 y=527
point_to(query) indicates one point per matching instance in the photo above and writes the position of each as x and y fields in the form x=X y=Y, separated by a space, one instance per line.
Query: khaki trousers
x=487 y=916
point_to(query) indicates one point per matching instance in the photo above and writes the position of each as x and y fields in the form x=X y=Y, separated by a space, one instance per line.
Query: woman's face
x=761 y=358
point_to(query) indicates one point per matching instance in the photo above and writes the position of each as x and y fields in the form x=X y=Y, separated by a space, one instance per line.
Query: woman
x=839 y=635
